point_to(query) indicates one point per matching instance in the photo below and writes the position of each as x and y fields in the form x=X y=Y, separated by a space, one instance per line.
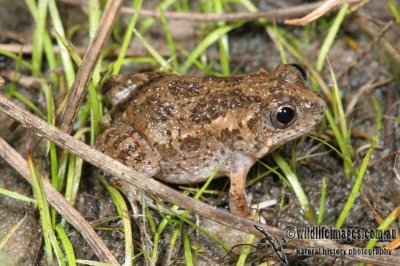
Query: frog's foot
x=237 y=195
x=130 y=148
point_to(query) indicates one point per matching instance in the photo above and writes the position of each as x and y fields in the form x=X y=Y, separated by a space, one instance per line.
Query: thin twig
x=12 y=35
x=277 y=15
x=378 y=37
x=318 y=12
x=22 y=80
x=157 y=189
x=390 y=124
x=59 y=203
x=88 y=65
x=363 y=90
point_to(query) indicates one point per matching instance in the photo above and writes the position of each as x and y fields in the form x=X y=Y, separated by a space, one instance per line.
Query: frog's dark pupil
x=285 y=115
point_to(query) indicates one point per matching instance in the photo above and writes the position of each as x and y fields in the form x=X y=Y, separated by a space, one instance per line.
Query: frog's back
x=170 y=107
x=187 y=118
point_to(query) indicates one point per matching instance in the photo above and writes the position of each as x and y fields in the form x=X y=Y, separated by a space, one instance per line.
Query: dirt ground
x=364 y=69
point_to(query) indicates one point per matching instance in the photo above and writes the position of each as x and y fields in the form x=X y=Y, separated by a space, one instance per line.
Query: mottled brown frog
x=180 y=129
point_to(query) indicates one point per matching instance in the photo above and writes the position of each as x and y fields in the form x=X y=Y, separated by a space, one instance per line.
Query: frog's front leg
x=122 y=143
x=240 y=166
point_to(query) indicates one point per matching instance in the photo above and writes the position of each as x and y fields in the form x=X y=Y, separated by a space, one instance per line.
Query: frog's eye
x=301 y=70
x=283 y=116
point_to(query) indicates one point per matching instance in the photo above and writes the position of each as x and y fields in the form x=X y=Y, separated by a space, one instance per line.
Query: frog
x=181 y=129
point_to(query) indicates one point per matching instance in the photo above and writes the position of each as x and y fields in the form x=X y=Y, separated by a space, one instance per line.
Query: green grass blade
x=167 y=218
x=328 y=145
x=392 y=218
x=149 y=217
x=123 y=213
x=338 y=107
x=65 y=58
x=96 y=112
x=37 y=53
x=170 y=42
x=204 y=44
x=94 y=18
x=147 y=23
x=127 y=37
x=73 y=178
x=13 y=92
x=343 y=142
x=183 y=218
x=330 y=38
x=48 y=233
x=62 y=170
x=223 y=42
x=67 y=245
x=248 y=5
x=47 y=42
x=276 y=37
x=51 y=57
x=378 y=115
x=96 y=109
x=143 y=59
x=344 y=131
x=186 y=247
x=297 y=188
x=172 y=243
x=223 y=49
x=16 y=58
x=156 y=55
x=245 y=251
x=395 y=10
x=70 y=48
x=15 y=195
x=48 y=92
x=281 y=177
x=322 y=202
x=357 y=184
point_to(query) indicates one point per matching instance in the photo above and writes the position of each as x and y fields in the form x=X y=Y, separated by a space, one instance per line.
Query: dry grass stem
x=85 y=71
x=318 y=12
x=22 y=80
x=277 y=15
x=59 y=203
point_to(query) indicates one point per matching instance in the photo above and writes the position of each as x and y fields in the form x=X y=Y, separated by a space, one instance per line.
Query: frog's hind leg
x=129 y=147
x=122 y=143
